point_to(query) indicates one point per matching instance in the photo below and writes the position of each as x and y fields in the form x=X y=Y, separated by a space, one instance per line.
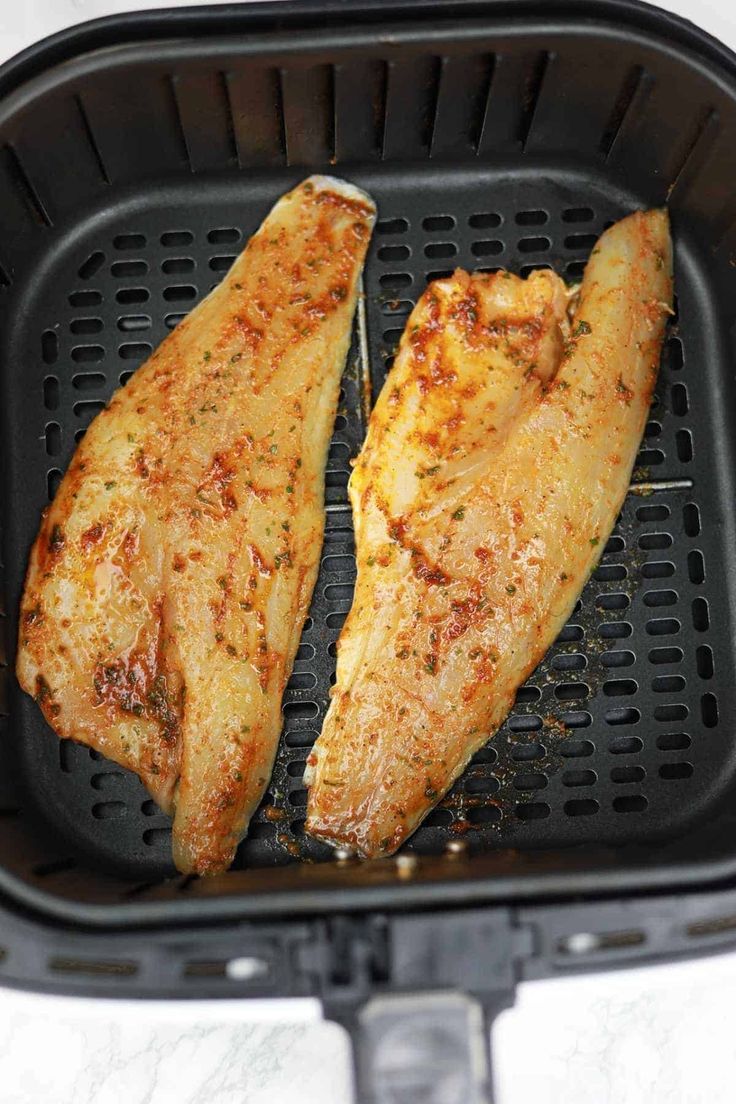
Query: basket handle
x=424 y=1048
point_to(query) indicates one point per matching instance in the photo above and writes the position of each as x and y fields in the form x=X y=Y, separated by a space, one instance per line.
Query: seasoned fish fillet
x=169 y=582
x=497 y=459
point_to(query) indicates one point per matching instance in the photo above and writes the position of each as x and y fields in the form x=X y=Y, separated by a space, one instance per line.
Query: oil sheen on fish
x=496 y=461
x=172 y=573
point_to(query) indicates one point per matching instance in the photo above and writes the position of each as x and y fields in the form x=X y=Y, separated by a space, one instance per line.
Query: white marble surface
x=661 y=1035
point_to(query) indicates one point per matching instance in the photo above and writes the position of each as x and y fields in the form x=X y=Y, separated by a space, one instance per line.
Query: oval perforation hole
x=85 y=325
x=578 y=214
x=618 y=658
x=662 y=626
x=51 y=393
x=574 y=778
x=132 y=295
x=302 y=680
x=131 y=322
x=221 y=263
x=129 y=241
x=650 y=457
x=654 y=598
x=580 y=241
x=627 y=775
x=570 y=634
x=610 y=573
x=615 y=630
x=624 y=715
x=530 y=781
x=86 y=298
x=109 y=810
x=174 y=266
x=388 y=253
x=576 y=749
x=691 y=519
x=673 y=354
x=539 y=244
x=300 y=738
x=673 y=741
x=87 y=354
x=668 y=713
x=658 y=569
x=526 y=694
x=395 y=280
x=92 y=265
x=298 y=710
x=625 y=745
x=180 y=293
x=49 y=347
x=630 y=803
x=433 y=223
x=684 y=445
x=525 y=722
x=680 y=403
x=533 y=810
x=223 y=234
x=666 y=655
x=88 y=381
x=52 y=437
x=484 y=814
x=53 y=479
x=176 y=237
x=704 y=661
x=440 y=249
x=576 y=718
x=482 y=784
x=582 y=806
x=695 y=566
x=616 y=601
x=527 y=753
x=392 y=226
x=572 y=691
x=675 y=771
x=709 y=710
x=668 y=684
x=573 y=661
x=484 y=220
x=123 y=270
x=620 y=688
x=658 y=512
x=134 y=350
x=397 y=306
x=701 y=614
x=295 y=769
x=489 y=247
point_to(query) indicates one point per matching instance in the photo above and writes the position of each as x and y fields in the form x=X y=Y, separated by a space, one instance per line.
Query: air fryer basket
x=490 y=135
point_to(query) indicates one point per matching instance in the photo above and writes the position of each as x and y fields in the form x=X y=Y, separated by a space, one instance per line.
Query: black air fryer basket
x=137 y=154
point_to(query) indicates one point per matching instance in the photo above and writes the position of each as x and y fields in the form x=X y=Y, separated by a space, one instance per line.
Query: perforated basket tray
x=489 y=136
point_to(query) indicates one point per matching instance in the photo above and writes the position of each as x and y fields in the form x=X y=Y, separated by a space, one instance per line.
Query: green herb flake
x=459 y=514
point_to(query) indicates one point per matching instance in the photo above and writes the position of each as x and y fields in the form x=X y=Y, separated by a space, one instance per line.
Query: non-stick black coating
x=504 y=145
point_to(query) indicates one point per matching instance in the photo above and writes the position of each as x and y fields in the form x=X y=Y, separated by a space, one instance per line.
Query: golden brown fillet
x=170 y=580
x=495 y=466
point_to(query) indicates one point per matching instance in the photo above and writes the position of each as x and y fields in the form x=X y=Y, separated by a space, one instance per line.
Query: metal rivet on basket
x=406 y=865
x=456 y=847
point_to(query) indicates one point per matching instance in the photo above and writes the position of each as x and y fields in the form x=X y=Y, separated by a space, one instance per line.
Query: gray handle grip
x=423 y=1048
